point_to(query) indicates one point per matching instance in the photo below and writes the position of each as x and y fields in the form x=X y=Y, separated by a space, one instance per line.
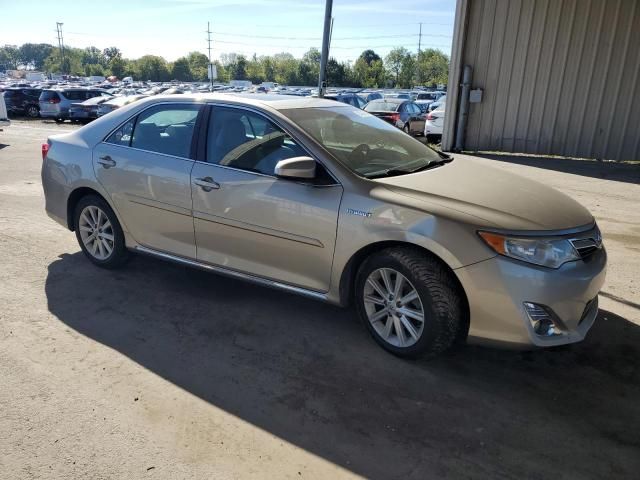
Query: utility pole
x=326 y=37
x=418 y=57
x=61 y=45
x=209 y=68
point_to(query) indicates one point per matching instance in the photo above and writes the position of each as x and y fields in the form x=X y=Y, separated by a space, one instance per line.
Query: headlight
x=546 y=251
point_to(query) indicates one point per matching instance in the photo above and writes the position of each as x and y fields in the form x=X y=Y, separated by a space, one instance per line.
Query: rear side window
x=48 y=95
x=75 y=94
x=247 y=141
x=166 y=129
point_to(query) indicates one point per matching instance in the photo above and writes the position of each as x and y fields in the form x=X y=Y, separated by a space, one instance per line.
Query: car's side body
x=311 y=238
x=4 y=119
x=21 y=101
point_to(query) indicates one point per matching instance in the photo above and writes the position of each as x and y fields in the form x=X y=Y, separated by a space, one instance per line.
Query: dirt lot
x=158 y=371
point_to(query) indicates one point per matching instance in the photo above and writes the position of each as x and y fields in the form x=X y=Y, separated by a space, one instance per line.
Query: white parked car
x=435 y=122
x=4 y=119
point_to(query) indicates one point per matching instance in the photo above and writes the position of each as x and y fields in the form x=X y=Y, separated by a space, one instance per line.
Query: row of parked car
x=415 y=112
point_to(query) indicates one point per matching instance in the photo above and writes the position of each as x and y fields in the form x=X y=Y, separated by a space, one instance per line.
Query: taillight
x=431 y=116
x=394 y=117
x=45 y=150
x=54 y=100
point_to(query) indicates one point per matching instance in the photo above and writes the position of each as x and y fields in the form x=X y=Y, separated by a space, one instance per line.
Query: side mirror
x=296 y=167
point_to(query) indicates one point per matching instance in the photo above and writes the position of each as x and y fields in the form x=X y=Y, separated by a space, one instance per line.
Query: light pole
x=326 y=36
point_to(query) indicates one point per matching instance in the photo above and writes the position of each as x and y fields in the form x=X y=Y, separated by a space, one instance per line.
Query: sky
x=172 y=28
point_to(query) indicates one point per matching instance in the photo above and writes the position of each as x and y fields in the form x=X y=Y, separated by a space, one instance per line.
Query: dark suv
x=55 y=103
x=23 y=101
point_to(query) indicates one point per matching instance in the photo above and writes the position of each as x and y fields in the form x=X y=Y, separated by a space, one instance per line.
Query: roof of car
x=278 y=102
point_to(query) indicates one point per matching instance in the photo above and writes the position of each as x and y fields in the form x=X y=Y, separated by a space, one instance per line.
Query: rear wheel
x=407 y=128
x=409 y=302
x=99 y=233
x=33 y=111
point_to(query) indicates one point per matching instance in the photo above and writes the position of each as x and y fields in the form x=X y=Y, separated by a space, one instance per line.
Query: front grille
x=587 y=243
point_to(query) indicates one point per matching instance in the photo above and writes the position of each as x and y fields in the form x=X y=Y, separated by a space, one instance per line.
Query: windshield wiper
x=403 y=171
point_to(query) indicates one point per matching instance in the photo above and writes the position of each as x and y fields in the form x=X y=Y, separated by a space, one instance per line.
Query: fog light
x=541 y=320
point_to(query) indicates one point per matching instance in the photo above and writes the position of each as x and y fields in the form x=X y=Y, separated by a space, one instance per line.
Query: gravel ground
x=158 y=371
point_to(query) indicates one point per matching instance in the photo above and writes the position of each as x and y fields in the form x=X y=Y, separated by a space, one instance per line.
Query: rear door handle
x=207 y=184
x=107 y=161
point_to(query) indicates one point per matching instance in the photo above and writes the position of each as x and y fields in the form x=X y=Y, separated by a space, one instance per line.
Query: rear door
x=249 y=220
x=418 y=118
x=145 y=166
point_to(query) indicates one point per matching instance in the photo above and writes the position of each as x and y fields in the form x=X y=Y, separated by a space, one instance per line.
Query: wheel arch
x=75 y=196
x=348 y=276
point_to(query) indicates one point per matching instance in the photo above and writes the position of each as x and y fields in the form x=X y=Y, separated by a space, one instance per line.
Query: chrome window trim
x=186 y=159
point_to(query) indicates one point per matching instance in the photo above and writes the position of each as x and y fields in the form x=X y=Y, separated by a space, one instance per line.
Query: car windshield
x=365 y=144
x=381 y=106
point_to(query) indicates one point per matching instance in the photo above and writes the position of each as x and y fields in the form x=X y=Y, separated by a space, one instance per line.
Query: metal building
x=557 y=77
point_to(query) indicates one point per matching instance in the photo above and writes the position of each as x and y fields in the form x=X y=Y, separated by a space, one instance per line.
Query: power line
x=273 y=37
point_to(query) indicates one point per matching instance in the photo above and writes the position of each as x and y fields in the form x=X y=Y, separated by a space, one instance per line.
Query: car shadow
x=309 y=373
x=3 y=145
x=616 y=171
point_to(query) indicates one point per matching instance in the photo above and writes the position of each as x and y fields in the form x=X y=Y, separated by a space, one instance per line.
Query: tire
x=59 y=120
x=33 y=111
x=407 y=128
x=438 y=295
x=100 y=255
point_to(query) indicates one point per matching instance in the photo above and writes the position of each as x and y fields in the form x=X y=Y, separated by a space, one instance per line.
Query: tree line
x=400 y=68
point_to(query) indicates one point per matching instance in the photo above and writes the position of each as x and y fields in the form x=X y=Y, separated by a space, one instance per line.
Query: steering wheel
x=360 y=152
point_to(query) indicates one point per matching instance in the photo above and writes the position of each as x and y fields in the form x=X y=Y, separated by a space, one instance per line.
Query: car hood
x=496 y=198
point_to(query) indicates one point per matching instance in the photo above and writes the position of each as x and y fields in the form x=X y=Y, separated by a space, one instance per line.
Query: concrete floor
x=159 y=371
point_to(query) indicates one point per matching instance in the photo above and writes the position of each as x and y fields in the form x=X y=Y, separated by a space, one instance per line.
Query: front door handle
x=107 y=161
x=207 y=184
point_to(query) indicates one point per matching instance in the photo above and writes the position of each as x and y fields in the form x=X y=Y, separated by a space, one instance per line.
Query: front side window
x=362 y=142
x=166 y=129
x=247 y=141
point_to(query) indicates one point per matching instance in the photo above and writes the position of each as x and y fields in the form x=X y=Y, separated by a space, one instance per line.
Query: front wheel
x=99 y=233
x=409 y=302
x=33 y=111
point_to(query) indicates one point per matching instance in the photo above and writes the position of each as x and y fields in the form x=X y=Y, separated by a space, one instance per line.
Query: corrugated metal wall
x=559 y=77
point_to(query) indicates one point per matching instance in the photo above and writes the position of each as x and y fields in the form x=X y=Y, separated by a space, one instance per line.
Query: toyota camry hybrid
x=325 y=200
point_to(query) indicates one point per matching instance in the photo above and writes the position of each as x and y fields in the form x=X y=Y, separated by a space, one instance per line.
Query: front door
x=145 y=167
x=247 y=219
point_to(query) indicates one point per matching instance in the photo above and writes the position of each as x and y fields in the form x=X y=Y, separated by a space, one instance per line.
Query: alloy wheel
x=393 y=307
x=32 y=111
x=96 y=232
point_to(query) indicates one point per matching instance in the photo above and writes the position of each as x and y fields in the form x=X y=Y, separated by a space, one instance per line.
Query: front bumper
x=497 y=289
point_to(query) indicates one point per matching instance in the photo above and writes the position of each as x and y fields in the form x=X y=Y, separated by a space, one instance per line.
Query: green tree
x=433 y=67
x=369 y=56
x=117 y=66
x=394 y=62
x=33 y=55
x=110 y=53
x=152 y=67
x=9 y=57
x=198 y=65
x=93 y=56
x=407 y=72
x=180 y=70
x=255 y=73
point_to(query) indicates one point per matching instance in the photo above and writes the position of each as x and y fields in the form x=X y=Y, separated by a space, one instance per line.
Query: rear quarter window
x=47 y=95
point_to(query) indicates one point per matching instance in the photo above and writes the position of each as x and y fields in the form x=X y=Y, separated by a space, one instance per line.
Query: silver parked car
x=322 y=199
